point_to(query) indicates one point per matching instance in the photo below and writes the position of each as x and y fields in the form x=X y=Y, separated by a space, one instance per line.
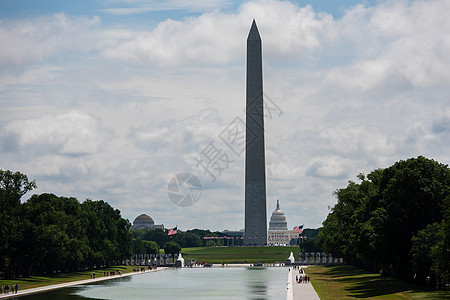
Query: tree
x=188 y=239
x=421 y=251
x=12 y=187
x=108 y=233
x=442 y=250
x=310 y=243
x=431 y=249
x=157 y=235
x=56 y=231
x=412 y=193
x=137 y=246
x=150 y=247
x=49 y=233
x=376 y=222
x=172 y=248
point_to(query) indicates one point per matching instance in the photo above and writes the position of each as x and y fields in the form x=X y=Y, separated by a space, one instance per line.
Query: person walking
x=16 y=288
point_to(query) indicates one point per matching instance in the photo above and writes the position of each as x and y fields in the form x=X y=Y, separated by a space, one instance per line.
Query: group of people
x=111 y=273
x=142 y=269
x=302 y=276
x=5 y=289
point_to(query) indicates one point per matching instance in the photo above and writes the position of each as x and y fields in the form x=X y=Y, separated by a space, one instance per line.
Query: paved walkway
x=67 y=284
x=299 y=291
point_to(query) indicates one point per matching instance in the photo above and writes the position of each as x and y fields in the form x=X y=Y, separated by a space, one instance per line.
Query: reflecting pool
x=187 y=283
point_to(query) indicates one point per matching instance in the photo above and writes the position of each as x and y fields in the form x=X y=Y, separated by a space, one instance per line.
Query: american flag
x=173 y=231
x=298 y=229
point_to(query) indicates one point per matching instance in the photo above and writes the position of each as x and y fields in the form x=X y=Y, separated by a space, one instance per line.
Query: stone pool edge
x=48 y=288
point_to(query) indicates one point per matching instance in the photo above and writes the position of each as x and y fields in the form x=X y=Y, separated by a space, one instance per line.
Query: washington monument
x=255 y=169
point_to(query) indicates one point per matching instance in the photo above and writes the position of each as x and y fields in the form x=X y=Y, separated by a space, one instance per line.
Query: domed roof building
x=144 y=221
x=278 y=219
x=278 y=233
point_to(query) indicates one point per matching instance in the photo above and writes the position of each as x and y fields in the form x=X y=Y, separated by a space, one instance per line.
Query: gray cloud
x=73 y=133
x=111 y=112
x=441 y=125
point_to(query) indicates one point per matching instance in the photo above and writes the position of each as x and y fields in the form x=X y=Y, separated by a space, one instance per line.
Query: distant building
x=278 y=233
x=145 y=222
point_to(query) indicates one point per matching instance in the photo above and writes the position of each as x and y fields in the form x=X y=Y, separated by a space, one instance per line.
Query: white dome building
x=144 y=221
x=278 y=233
x=278 y=219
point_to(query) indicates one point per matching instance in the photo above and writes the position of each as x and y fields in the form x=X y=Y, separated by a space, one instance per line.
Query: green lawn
x=347 y=282
x=217 y=255
x=37 y=281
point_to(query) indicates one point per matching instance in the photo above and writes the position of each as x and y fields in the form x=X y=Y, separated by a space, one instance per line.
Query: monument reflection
x=257 y=282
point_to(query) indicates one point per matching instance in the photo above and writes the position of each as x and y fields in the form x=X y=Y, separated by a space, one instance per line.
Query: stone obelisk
x=255 y=169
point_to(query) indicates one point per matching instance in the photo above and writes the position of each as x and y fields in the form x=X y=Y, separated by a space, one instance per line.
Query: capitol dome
x=278 y=219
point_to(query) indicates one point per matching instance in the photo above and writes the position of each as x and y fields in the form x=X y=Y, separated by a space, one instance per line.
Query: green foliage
x=108 y=233
x=422 y=248
x=144 y=247
x=48 y=234
x=12 y=187
x=156 y=235
x=431 y=249
x=151 y=247
x=384 y=222
x=189 y=238
x=172 y=248
x=137 y=246
x=310 y=243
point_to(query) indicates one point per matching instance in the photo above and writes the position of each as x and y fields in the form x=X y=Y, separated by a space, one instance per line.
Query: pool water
x=187 y=283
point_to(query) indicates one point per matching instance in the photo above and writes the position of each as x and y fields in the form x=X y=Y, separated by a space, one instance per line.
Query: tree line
x=395 y=221
x=49 y=233
x=148 y=240
x=310 y=243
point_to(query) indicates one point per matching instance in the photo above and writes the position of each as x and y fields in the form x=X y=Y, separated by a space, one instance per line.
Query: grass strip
x=217 y=255
x=38 y=281
x=348 y=282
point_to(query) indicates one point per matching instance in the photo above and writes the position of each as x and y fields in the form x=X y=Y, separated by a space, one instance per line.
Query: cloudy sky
x=111 y=99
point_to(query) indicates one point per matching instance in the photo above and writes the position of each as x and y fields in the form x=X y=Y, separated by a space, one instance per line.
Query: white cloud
x=25 y=42
x=212 y=38
x=108 y=111
x=403 y=41
x=72 y=133
x=207 y=39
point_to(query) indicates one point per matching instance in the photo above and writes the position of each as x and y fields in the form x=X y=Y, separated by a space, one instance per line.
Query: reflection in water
x=214 y=283
x=61 y=294
x=257 y=282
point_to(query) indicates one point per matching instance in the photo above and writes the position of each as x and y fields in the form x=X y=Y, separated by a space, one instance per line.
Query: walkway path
x=67 y=284
x=299 y=291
